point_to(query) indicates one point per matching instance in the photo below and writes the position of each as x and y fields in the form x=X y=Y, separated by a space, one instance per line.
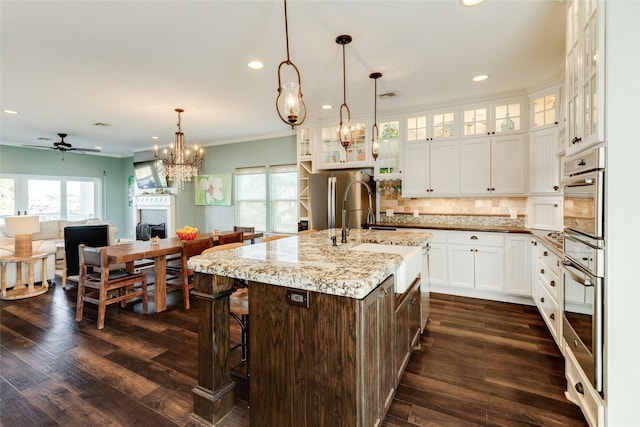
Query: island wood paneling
x=305 y=372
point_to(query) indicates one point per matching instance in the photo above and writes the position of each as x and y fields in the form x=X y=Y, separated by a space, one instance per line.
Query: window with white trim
x=266 y=198
x=69 y=198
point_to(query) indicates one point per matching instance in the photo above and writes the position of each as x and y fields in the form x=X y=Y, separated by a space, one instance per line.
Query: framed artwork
x=213 y=190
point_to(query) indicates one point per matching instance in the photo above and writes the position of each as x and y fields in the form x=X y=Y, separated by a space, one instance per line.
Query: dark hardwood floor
x=480 y=363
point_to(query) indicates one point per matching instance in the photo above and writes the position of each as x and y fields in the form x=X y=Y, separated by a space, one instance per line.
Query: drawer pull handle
x=542 y=299
x=552 y=283
x=545 y=253
x=579 y=388
x=474 y=237
x=542 y=271
x=552 y=316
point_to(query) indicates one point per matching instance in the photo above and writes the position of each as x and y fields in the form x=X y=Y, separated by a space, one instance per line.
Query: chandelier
x=177 y=163
x=375 y=144
x=344 y=128
x=289 y=108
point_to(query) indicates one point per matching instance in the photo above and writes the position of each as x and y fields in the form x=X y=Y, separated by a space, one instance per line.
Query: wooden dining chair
x=238 y=307
x=236 y=236
x=274 y=237
x=181 y=276
x=96 y=281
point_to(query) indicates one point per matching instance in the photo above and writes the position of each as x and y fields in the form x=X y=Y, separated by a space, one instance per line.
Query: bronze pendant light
x=344 y=129
x=291 y=108
x=375 y=144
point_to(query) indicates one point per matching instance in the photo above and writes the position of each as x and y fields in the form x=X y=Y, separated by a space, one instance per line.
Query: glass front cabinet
x=332 y=155
x=387 y=166
x=496 y=118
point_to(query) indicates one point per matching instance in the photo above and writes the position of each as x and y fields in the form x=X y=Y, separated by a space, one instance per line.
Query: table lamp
x=22 y=227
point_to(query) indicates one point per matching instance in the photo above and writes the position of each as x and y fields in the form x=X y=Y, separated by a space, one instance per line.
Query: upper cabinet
x=544 y=111
x=544 y=133
x=430 y=169
x=495 y=118
x=493 y=165
x=332 y=155
x=304 y=136
x=585 y=74
x=387 y=166
x=432 y=125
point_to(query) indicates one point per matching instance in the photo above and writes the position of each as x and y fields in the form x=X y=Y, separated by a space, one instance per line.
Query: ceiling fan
x=64 y=146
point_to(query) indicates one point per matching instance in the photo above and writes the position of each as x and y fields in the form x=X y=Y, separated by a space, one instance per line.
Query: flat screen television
x=149 y=175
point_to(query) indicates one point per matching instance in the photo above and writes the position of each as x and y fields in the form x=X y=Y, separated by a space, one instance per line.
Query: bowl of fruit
x=187 y=232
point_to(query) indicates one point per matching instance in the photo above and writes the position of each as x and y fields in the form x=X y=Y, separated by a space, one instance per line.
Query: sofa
x=46 y=240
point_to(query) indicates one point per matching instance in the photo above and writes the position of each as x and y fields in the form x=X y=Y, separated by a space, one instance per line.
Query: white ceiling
x=69 y=64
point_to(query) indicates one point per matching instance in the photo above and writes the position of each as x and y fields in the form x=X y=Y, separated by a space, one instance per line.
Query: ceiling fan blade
x=39 y=146
x=87 y=150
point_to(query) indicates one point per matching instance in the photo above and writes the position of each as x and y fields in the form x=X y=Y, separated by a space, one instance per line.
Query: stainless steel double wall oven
x=584 y=260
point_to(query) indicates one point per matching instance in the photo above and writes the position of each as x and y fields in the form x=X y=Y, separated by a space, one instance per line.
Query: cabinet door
x=444 y=172
x=461 y=266
x=507 y=165
x=475 y=166
x=544 y=165
x=415 y=317
x=386 y=346
x=518 y=265
x=402 y=337
x=489 y=268
x=370 y=374
x=438 y=264
x=545 y=213
x=415 y=180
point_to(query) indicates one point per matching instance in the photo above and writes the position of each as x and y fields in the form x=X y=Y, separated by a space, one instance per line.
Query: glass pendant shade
x=344 y=128
x=289 y=104
x=375 y=144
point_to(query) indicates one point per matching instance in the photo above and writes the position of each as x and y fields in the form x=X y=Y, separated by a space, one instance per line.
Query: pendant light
x=178 y=164
x=375 y=144
x=290 y=108
x=344 y=128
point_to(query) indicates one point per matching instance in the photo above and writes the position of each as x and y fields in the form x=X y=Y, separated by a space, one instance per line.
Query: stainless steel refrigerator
x=327 y=193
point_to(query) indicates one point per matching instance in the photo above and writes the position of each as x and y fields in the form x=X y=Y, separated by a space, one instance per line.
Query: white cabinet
x=438 y=258
x=544 y=164
x=476 y=260
x=585 y=74
x=430 y=169
x=331 y=155
x=518 y=264
x=492 y=166
x=493 y=118
x=548 y=288
x=387 y=166
x=432 y=125
x=581 y=392
x=545 y=212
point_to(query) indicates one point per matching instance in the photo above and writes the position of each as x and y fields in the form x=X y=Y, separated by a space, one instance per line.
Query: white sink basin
x=410 y=267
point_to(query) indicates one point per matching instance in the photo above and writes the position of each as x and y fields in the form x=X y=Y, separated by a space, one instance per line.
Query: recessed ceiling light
x=470 y=3
x=255 y=65
x=98 y=147
x=10 y=112
x=327 y=107
x=155 y=137
x=480 y=78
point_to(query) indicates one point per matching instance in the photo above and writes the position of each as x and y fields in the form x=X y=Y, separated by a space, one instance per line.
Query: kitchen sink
x=409 y=268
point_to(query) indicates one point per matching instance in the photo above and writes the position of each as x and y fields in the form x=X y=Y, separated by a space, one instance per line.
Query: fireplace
x=156 y=210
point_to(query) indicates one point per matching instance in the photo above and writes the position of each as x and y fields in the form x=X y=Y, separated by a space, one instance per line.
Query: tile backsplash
x=455 y=205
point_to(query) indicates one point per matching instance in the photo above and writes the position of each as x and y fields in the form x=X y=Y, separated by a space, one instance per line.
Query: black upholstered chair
x=74 y=236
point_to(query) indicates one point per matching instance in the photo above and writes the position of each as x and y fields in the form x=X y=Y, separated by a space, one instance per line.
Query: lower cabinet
x=548 y=288
x=407 y=326
x=377 y=381
x=476 y=260
x=321 y=359
x=581 y=392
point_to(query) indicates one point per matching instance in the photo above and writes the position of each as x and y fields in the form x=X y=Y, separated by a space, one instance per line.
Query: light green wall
x=218 y=159
x=32 y=161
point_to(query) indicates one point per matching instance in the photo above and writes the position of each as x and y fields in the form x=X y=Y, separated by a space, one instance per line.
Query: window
x=50 y=197
x=251 y=198
x=283 y=198
x=266 y=198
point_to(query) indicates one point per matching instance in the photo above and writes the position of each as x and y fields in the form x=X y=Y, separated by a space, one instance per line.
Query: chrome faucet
x=370 y=217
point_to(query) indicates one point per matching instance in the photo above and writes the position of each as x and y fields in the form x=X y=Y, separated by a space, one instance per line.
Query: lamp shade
x=22 y=226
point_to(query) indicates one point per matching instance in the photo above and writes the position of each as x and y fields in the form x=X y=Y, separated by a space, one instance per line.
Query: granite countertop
x=540 y=235
x=310 y=262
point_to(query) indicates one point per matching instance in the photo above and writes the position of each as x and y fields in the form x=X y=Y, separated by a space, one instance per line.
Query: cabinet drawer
x=549 y=279
x=549 y=310
x=550 y=259
x=473 y=238
x=587 y=398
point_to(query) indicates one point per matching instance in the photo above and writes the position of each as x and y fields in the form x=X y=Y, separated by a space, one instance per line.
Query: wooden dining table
x=129 y=253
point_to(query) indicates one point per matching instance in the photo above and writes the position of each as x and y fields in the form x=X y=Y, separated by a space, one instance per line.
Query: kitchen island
x=322 y=335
